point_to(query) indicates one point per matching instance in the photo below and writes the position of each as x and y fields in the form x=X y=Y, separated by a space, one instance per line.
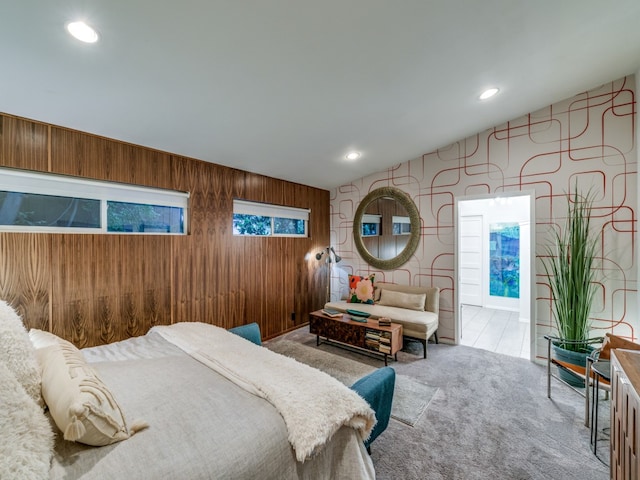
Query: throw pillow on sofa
x=411 y=301
x=361 y=289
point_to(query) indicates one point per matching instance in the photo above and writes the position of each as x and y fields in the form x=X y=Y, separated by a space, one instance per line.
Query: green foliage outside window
x=251 y=224
x=288 y=226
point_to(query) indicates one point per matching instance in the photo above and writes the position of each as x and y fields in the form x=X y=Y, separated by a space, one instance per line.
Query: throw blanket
x=313 y=404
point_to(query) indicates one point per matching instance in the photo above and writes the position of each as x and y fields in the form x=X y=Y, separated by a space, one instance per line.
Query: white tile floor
x=495 y=330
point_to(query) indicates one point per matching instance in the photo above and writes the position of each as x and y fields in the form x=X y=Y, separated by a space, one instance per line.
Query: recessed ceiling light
x=353 y=155
x=488 y=93
x=82 y=32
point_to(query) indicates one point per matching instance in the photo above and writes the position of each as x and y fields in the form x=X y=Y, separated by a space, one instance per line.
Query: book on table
x=330 y=312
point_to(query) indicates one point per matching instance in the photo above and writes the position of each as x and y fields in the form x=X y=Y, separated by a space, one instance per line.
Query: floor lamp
x=328 y=253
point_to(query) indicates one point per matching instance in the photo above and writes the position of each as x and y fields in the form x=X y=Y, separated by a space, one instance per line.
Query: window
x=37 y=202
x=262 y=219
x=371 y=225
x=401 y=225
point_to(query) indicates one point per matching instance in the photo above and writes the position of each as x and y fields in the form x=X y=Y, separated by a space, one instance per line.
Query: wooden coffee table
x=367 y=336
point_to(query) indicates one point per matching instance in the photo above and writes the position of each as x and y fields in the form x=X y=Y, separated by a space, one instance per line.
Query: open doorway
x=494 y=266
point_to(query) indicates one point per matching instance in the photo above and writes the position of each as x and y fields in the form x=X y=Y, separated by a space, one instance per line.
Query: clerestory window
x=49 y=203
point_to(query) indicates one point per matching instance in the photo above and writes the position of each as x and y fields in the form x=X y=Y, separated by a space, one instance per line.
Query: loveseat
x=415 y=308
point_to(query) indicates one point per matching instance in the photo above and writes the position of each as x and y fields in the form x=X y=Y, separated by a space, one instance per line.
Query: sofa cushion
x=412 y=301
x=414 y=323
x=361 y=289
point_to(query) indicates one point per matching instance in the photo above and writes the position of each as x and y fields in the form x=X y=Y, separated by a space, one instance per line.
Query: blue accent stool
x=249 y=332
x=377 y=389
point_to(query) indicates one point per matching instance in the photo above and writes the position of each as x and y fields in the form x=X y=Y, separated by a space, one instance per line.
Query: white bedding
x=313 y=404
x=202 y=426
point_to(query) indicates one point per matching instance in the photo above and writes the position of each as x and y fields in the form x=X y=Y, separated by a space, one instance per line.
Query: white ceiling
x=286 y=88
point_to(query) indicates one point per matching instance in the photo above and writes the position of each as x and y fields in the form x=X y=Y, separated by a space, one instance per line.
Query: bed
x=195 y=407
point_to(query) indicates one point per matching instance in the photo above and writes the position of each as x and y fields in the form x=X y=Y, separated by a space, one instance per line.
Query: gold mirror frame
x=414 y=217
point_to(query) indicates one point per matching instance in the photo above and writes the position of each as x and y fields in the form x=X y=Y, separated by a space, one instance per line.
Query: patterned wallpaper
x=589 y=138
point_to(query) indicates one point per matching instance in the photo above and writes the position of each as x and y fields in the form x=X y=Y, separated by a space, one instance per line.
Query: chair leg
x=548 y=368
x=435 y=336
x=587 y=384
x=424 y=346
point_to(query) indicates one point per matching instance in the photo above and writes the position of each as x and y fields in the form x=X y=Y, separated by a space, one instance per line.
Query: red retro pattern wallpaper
x=588 y=139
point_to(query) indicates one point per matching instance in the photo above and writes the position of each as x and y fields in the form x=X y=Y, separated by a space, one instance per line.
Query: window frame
x=52 y=184
x=371 y=219
x=246 y=207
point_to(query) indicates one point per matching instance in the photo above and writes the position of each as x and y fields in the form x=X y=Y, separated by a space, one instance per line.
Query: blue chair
x=377 y=389
x=249 y=332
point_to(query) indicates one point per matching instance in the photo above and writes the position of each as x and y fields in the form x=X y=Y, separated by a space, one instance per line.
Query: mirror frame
x=414 y=216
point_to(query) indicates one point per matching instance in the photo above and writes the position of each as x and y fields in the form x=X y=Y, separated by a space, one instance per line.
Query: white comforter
x=202 y=426
x=313 y=404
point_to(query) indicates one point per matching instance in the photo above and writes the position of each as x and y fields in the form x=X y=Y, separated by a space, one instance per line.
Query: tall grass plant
x=570 y=268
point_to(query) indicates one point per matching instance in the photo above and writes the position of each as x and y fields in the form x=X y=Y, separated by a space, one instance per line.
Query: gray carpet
x=490 y=419
x=410 y=399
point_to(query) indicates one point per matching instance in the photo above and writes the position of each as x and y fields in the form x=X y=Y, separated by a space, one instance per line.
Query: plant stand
x=581 y=374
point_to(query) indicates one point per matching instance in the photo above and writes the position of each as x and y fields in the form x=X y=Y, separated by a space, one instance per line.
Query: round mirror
x=386 y=228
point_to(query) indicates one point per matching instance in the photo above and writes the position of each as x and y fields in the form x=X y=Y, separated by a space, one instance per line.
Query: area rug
x=410 y=399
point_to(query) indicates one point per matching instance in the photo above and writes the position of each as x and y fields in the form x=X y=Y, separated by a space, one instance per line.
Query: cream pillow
x=41 y=339
x=81 y=405
x=411 y=301
x=17 y=352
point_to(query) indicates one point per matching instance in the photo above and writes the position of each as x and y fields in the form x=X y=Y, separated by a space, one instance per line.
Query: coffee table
x=365 y=336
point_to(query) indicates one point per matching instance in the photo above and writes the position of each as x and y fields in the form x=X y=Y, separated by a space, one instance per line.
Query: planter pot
x=575 y=358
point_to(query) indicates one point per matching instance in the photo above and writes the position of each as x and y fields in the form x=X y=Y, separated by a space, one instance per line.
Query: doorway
x=494 y=260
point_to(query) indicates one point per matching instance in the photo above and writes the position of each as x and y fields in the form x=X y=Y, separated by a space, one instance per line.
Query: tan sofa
x=419 y=322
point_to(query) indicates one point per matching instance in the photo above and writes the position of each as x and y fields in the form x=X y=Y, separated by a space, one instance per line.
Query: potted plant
x=569 y=267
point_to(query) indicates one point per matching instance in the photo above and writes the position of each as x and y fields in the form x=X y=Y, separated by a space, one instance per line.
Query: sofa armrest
x=433 y=300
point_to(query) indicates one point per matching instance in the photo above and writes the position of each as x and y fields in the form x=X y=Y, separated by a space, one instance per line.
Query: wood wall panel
x=23 y=144
x=95 y=289
x=84 y=155
x=25 y=276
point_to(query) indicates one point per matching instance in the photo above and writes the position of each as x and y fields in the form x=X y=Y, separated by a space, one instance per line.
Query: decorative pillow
x=41 y=339
x=17 y=353
x=361 y=289
x=81 y=405
x=411 y=301
x=613 y=341
x=26 y=442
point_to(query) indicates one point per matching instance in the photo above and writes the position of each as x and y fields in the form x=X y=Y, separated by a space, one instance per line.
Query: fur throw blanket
x=26 y=437
x=313 y=404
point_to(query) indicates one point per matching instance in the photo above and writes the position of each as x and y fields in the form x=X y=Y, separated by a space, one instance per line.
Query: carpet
x=491 y=419
x=410 y=398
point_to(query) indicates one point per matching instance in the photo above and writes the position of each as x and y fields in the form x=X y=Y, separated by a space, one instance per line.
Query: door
x=470 y=272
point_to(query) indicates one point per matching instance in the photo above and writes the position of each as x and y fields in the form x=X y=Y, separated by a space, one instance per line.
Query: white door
x=470 y=260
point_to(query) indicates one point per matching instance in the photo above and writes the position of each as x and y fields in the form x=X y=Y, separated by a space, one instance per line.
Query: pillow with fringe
x=17 y=352
x=80 y=404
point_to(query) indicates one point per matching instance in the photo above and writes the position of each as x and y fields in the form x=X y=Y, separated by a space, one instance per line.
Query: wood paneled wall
x=95 y=289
